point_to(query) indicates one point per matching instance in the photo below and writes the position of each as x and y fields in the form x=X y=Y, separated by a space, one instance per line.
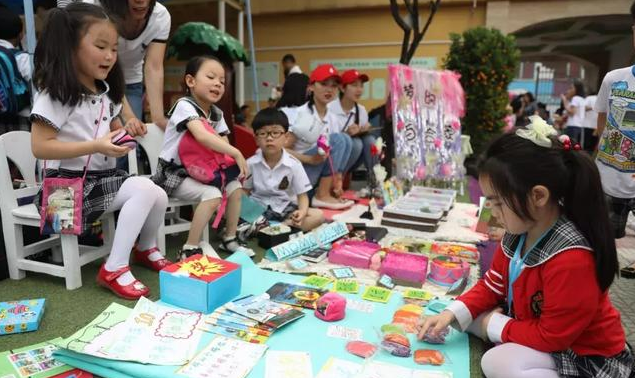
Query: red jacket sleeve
x=490 y=290
x=571 y=296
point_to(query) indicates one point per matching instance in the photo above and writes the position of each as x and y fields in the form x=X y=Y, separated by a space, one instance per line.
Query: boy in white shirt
x=615 y=106
x=278 y=180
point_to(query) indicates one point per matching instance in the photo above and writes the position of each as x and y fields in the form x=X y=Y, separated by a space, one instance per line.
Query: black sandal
x=628 y=271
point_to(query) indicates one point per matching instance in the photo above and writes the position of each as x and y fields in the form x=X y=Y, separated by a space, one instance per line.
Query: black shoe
x=185 y=253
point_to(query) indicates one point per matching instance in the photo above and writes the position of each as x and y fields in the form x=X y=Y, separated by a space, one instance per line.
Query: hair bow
x=538 y=131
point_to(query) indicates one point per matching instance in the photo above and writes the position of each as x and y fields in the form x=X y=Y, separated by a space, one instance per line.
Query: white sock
x=125 y=279
x=189 y=246
x=232 y=246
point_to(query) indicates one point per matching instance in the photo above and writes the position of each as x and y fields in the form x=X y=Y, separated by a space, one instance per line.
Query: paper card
x=224 y=358
x=336 y=368
x=346 y=286
x=317 y=281
x=345 y=333
x=385 y=281
x=297 y=264
x=418 y=294
x=345 y=272
x=360 y=306
x=281 y=364
x=376 y=294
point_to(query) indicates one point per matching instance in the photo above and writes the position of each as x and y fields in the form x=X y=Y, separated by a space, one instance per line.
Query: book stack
x=421 y=209
x=253 y=318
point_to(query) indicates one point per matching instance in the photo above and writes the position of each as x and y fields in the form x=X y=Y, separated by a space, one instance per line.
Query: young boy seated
x=278 y=180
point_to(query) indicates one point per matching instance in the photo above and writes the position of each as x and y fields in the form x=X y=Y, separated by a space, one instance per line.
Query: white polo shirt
x=186 y=110
x=344 y=119
x=277 y=187
x=132 y=52
x=577 y=119
x=78 y=124
x=307 y=126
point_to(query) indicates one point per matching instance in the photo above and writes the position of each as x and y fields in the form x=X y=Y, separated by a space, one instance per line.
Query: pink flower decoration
x=437 y=143
x=400 y=125
x=446 y=169
x=421 y=172
x=456 y=125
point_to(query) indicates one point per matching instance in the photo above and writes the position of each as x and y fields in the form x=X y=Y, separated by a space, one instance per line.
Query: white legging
x=511 y=360
x=142 y=206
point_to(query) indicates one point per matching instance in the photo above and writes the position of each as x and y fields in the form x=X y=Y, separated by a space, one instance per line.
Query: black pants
x=584 y=136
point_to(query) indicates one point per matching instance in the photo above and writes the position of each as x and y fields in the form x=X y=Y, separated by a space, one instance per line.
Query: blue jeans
x=340 y=152
x=134 y=95
x=360 y=152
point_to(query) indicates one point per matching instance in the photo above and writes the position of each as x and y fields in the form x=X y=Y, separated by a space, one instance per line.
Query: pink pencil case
x=353 y=253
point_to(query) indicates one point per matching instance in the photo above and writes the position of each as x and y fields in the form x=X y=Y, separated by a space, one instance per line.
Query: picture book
x=264 y=310
x=295 y=295
x=34 y=361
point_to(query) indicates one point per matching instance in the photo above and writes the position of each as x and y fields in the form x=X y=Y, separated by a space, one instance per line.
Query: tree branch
x=394 y=9
x=418 y=36
x=403 y=57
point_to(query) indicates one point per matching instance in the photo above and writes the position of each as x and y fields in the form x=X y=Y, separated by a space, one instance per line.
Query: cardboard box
x=200 y=283
x=21 y=316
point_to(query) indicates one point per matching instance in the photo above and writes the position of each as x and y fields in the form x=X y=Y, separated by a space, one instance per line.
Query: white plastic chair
x=151 y=143
x=16 y=146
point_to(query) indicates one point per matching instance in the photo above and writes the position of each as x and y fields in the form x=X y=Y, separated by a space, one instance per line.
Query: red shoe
x=108 y=280
x=141 y=257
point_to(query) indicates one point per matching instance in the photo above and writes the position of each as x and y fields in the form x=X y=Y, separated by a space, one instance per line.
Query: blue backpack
x=14 y=90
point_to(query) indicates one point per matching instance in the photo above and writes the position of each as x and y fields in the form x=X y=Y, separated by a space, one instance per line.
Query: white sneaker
x=208 y=250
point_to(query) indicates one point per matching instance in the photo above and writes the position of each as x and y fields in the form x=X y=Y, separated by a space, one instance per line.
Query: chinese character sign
x=426 y=108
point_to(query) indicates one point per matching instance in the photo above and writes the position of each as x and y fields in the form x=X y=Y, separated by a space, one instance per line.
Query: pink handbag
x=62 y=200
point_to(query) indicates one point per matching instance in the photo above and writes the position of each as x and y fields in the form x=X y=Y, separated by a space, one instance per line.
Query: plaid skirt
x=570 y=364
x=100 y=189
x=169 y=176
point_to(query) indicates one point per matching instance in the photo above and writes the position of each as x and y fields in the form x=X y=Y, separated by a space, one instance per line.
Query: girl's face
x=324 y=92
x=96 y=53
x=138 y=9
x=503 y=213
x=209 y=82
x=571 y=91
x=354 y=90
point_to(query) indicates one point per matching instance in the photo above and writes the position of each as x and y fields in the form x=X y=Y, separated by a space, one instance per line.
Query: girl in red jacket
x=545 y=299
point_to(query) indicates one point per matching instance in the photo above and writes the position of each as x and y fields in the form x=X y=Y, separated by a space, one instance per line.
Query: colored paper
x=318 y=281
x=282 y=364
x=346 y=286
x=376 y=294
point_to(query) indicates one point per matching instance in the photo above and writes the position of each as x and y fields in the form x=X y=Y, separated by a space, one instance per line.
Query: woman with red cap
x=352 y=119
x=311 y=121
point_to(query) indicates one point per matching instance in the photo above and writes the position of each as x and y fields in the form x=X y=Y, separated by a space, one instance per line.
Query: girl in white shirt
x=574 y=104
x=76 y=114
x=310 y=122
x=352 y=119
x=205 y=81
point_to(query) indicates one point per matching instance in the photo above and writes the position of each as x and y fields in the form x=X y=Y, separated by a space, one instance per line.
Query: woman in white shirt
x=352 y=119
x=311 y=121
x=573 y=101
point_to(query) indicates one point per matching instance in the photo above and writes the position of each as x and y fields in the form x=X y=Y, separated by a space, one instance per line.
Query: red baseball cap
x=324 y=72
x=351 y=76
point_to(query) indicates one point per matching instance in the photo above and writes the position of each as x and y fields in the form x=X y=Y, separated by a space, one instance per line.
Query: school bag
x=205 y=165
x=14 y=90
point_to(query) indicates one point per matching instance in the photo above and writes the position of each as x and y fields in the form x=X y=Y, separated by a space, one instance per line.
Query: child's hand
x=242 y=165
x=353 y=129
x=435 y=324
x=105 y=146
x=135 y=127
x=318 y=159
x=297 y=217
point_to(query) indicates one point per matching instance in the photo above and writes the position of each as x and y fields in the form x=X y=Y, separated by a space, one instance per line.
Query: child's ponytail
x=53 y=55
x=585 y=205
